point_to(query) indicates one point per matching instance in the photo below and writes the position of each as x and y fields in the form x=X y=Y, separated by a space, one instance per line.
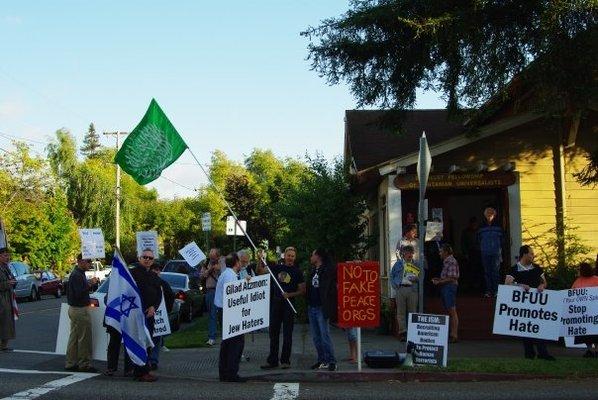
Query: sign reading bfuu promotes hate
x=530 y=314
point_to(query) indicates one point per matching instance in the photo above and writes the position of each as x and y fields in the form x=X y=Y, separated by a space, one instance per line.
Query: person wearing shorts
x=449 y=282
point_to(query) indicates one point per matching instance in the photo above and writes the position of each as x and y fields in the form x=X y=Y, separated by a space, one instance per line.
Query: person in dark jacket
x=322 y=299
x=79 y=349
x=491 y=238
x=169 y=300
x=150 y=290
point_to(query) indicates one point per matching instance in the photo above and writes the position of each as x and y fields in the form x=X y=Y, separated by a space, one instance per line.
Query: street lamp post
x=117 y=210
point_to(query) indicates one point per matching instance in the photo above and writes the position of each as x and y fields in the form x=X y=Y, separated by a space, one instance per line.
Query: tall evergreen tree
x=91 y=142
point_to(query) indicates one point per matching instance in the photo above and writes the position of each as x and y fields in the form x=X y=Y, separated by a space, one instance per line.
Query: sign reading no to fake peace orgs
x=530 y=314
x=246 y=306
x=358 y=294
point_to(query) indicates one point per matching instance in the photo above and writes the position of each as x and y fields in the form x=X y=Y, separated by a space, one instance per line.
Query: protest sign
x=92 y=243
x=147 y=240
x=428 y=335
x=579 y=316
x=530 y=314
x=99 y=337
x=161 y=323
x=246 y=306
x=192 y=254
x=433 y=231
x=358 y=294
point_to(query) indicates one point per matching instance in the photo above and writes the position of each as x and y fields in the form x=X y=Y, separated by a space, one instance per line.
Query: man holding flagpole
x=131 y=304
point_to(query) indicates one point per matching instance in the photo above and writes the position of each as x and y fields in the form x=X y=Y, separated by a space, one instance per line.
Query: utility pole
x=117 y=211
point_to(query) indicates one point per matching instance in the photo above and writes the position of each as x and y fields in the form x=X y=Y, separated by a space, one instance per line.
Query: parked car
x=97 y=300
x=50 y=284
x=97 y=271
x=191 y=298
x=26 y=281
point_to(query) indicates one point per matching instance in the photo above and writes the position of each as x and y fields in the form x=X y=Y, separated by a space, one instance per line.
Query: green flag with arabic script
x=151 y=147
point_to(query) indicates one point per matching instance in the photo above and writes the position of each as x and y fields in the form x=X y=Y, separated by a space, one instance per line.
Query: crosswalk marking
x=47 y=387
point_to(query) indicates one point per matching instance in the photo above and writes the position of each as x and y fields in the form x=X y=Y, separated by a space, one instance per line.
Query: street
x=33 y=371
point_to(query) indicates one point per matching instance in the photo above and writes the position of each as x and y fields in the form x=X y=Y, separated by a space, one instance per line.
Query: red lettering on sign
x=358 y=294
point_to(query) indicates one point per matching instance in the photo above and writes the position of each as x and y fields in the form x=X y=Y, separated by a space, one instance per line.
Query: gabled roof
x=370 y=140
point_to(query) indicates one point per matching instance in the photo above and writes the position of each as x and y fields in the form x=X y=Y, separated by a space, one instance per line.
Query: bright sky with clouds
x=230 y=75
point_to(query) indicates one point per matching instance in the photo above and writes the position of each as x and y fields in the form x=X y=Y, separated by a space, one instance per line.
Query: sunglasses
x=147 y=257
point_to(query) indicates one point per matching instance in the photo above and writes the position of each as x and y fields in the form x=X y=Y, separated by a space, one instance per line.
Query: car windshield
x=180 y=267
x=175 y=281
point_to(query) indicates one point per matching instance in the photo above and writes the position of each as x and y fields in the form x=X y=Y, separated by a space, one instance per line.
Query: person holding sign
x=7 y=316
x=291 y=279
x=154 y=355
x=448 y=282
x=231 y=349
x=526 y=275
x=586 y=279
x=405 y=281
x=321 y=301
x=209 y=275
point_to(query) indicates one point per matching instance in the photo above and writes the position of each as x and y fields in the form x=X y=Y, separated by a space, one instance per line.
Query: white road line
x=47 y=387
x=284 y=391
x=34 y=351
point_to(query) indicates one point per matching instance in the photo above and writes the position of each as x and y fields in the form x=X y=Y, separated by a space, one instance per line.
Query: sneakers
x=332 y=367
x=285 y=365
x=269 y=366
x=316 y=365
x=147 y=378
x=323 y=366
x=211 y=342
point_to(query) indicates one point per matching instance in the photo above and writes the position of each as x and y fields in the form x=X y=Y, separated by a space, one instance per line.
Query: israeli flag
x=125 y=313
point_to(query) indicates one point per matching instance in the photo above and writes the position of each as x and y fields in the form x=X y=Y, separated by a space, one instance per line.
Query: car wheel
x=58 y=294
x=33 y=295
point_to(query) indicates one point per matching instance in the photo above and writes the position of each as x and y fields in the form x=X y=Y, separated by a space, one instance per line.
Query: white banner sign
x=530 y=314
x=99 y=337
x=580 y=312
x=429 y=335
x=246 y=306
x=147 y=240
x=92 y=243
x=234 y=230
x=192 y=254
x=206 y=222
x=161 y=323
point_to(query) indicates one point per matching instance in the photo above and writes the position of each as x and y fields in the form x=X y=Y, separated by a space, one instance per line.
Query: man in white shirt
x=231 y=349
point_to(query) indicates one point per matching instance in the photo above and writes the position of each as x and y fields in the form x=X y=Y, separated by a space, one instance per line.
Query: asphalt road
x=26 y=375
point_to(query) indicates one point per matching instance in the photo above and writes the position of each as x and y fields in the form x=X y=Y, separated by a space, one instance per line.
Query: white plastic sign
x=246 y=306
x=99 y=337
x=232 y=230
x=147 y=240
x=92 y=243
x=428 y=334
x=192 y=254
x=579 y=316
x=161 y=323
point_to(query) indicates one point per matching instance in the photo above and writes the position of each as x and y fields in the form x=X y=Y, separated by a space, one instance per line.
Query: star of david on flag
x=124 y=312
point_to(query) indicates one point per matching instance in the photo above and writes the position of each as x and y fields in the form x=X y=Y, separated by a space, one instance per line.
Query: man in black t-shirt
x=526 y=275
x=290 y=278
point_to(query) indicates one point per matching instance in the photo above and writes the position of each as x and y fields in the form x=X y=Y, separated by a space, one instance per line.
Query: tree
x=470 y=51
x=91 y=142
x=62 y=154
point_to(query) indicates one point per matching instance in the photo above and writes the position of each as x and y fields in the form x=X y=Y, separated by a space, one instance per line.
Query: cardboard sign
x=233 y=229
x=429 y=335
x=147 y=240
x=528 y=314
x=192 y=254
x=358 y=294
x=99 y=336
x=579 y=316
x=246 y=306
x=161 y=322
x=92 y=243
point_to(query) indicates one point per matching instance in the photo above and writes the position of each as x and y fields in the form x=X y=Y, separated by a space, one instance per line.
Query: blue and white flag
x=125 y=313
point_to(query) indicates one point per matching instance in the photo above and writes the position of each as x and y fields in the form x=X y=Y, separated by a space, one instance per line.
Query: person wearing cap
x=79 y=348
x=7 y=284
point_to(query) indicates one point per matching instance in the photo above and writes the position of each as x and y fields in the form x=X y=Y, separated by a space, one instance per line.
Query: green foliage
x=91 y=143
x=62 y=154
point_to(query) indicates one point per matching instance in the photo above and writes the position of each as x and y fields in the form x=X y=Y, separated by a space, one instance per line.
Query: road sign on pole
x=206 y=222
x=233 y=229
x=424 y=164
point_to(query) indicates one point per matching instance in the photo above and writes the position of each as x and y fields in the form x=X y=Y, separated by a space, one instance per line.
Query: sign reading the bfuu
x=246 y=306
x=580 y=312
x=428 y=334
x=358 y=294
x=528 y=314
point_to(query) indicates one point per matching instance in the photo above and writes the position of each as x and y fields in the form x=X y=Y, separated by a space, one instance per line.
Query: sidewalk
x=202 y=363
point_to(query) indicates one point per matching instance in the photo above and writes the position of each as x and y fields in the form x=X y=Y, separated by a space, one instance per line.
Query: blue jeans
x=491 y=263
x=213 y=313
x=154 y=354
x=320 y=333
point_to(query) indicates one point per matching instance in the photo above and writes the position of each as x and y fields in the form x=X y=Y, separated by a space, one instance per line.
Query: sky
x=230 y=75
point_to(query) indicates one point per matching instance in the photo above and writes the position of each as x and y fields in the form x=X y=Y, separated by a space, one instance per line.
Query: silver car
x=26 y=281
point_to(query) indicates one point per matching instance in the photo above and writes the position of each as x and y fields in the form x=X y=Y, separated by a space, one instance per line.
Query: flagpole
x=239 y=225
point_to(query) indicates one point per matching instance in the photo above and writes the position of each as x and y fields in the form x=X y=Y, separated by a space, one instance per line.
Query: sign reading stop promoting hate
x=530 y=314
x=429 y=335
x=358 y=294
x=246 y=306
x=579 y=316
